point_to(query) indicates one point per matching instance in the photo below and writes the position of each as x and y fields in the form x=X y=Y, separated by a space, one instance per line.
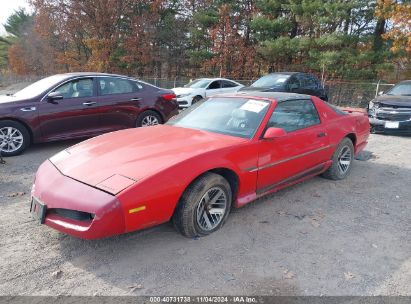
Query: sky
x=7 y=7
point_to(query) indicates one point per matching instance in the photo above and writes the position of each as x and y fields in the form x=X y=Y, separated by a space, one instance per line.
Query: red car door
x=301 y=152
x=70 y=111
x=121 y=100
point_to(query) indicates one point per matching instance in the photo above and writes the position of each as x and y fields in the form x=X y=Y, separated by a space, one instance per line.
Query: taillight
x=169 y=97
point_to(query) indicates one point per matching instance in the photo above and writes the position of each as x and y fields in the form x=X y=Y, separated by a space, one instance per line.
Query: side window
x=214 y=85
x=113 y=85
x=310 y=82
x=228 y=84
x=294 y=115
x=293 y=83
x=302 y=80
x=76 y=88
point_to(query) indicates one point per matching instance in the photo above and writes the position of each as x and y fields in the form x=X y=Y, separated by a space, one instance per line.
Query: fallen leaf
x=288 y=274
x=300 y=217
x=315 y=223
x=316 y=195
x=57 y=274
x=135 y=287
x=15 y=194
x=181 y=251
x=349 y=275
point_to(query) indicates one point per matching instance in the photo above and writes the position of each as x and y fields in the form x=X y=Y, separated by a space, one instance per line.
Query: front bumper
x=63 y=195
x=184 y=102
x=380 y=126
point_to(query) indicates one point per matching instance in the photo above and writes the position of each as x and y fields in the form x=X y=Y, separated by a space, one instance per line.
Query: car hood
x=394 y=101
x=180 y=91
x=115 y=161
x=4 y=99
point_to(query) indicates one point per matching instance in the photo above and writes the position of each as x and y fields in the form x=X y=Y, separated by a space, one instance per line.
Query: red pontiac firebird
x=224 y=151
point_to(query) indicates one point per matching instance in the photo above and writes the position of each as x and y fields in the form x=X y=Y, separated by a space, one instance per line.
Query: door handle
x=89 y=103
x=135 y=99
x=28 y=109
x=321 y=134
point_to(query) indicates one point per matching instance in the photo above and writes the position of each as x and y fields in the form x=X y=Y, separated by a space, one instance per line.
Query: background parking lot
x=321 y=237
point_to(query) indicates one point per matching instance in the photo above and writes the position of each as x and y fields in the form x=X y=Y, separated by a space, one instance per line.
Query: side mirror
x=380 y=93
x=53 y=96
x=272 y=133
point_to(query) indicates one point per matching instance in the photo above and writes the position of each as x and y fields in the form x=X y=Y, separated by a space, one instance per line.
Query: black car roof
x=286 y=73
x=279 y=96
x=91 y=74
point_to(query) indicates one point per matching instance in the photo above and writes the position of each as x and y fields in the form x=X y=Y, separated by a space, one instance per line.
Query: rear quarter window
x=336 y=109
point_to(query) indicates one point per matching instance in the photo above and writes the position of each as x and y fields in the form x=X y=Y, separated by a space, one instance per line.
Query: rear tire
x=343 y=158
x=148 y=118
x=204 y=206
x=14 y=138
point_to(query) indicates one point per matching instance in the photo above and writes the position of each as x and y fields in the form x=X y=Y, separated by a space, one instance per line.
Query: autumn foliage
x=400 y=16
x=240 y=39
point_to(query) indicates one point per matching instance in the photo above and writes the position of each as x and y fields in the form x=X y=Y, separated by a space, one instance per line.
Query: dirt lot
x=320 y=237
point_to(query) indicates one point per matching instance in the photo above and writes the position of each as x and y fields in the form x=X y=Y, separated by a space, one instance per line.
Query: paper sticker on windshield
x=254 y=105
x=281 y=80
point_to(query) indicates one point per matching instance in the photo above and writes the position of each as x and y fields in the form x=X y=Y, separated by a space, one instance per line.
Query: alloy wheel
x=344 y=160
x=211 y=208
x=149 y=120
x=11 y=139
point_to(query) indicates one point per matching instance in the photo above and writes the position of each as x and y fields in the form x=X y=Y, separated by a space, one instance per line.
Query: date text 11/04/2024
x=203 y=299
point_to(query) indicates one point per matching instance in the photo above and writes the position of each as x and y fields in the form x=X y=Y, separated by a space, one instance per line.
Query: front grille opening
x=394 y=116
x=71 y=214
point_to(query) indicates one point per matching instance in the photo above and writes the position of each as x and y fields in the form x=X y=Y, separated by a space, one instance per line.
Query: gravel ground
x=320 y=237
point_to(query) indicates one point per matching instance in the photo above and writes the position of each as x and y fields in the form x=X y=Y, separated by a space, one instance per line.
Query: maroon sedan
x=78 y=105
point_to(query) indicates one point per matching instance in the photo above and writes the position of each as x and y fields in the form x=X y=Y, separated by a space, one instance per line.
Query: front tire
x=196 y=99
x=14 y=138
x=343 y=158
x=148 y=118
x=204 y=206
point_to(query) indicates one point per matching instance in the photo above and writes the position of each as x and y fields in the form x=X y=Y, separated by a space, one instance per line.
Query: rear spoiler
x=354 y=110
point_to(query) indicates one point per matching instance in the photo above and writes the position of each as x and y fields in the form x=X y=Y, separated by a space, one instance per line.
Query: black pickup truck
x=391 y=112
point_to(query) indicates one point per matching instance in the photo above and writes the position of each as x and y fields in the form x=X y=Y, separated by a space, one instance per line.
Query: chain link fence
x=355 y=94
x=340 y=93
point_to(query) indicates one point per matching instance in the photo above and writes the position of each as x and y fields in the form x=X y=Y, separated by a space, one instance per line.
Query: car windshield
x=238 y=117
x=271 y=80
x=35 y=89
x=401 y=89
x=198 y=83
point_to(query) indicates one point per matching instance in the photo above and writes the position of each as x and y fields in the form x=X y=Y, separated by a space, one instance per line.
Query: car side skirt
x=298 y=178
